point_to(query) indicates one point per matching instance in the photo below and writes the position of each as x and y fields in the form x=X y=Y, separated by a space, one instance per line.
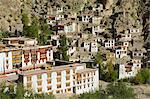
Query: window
x=49 y=75
x=39 y=77
x=69 y=89
x=50 y=93
x=6 y=61
x=84 y=75
x=29 y=85
x=84 y=86
x=59 y=73
x=58 y=85
x=67 y=84
x=134 y=54
x=39 y=89
x=49 y=88
x=67 y=77
x=29 y=78
x=6 y=54
x=59 y=79
x=57 y=91
x=84 y=81
x=67 y=71
x=39 y=83
x=49 y=81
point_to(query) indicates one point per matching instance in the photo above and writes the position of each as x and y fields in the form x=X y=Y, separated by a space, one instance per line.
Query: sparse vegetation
x=143 y=77
x=120 y=90
x=19 y=92
x=63 y=48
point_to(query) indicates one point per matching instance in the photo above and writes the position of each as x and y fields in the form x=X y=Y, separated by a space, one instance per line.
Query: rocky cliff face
x=11 y=12
x=10 y=15
x=133 y=12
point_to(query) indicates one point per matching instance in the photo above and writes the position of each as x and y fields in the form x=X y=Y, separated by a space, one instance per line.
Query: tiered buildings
x=20 y=53
x=22 y=60
x=68 y=78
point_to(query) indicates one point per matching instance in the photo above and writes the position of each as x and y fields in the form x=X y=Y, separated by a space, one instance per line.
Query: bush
x=100 y=94
x=19 y=92
x=119 y=90
x=143 y=77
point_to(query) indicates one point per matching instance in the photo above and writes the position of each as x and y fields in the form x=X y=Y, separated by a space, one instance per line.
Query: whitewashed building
x=97 y=29
x=21 y=53
x=71 y=50
x=90 y=46
x=96 y=20
x=126 y=37
x=70 y=78
x=86 y=18
x=110 y=43
x=135 y=30
x=129 y=69
x=70 y=27
x=120 y=52
x=94 y=47
x=5 y=61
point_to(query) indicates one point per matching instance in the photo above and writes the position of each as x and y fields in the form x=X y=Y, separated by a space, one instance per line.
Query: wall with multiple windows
x=66 y=80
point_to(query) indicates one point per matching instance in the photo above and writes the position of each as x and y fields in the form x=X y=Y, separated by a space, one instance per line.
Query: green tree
x=63 y=48
x=98 y=58
x=19 y=92
x=25 y=19
x=120 y=90
x=33 y=29
x=143 y=77
x=45 y=32
x=99 y=61
x=111 y=74
x=100 y=94
x=4 y=35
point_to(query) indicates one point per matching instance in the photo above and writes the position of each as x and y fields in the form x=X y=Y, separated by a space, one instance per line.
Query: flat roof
x=17 y=38
x=33 y=72
x=53 y=69
x=8 y=78
x=23 y=47
x=86 y=70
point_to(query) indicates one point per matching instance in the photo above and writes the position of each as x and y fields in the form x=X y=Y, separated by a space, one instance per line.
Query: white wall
x=110 y=44
x=3 y=61
x=90 y=85
x=120 y=53
x=94 y=47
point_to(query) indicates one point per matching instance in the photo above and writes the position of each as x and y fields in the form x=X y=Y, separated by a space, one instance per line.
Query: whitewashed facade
x=128 y=70
x=72 y=78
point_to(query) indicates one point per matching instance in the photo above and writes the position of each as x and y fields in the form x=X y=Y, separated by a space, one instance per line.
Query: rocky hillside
x=10 y=15
x=135 y=12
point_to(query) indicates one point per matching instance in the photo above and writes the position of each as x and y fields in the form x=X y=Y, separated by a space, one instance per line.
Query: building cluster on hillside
x=23 y=60
x=89 y=35
x=36 y=67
